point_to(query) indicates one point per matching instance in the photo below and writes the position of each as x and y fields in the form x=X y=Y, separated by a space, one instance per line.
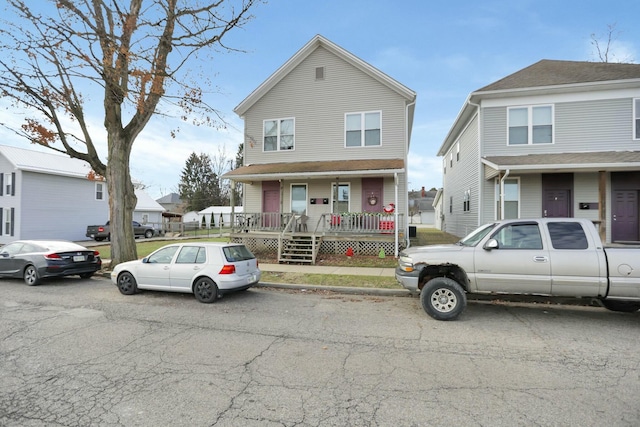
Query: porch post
x=602 y=205
x=232 y=202
x=395 y=213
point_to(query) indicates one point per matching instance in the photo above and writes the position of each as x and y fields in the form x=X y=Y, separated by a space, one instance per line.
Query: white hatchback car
x=207 y=269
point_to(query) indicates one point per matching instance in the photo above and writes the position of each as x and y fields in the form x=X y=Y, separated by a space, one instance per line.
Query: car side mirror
x=145 y=260
x=491 y=244
x=4 y=254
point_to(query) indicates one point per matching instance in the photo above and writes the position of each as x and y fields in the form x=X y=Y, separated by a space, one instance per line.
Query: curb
x=337 y=289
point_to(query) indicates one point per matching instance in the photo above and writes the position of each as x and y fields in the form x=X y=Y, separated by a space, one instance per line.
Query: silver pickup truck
x=547 y=256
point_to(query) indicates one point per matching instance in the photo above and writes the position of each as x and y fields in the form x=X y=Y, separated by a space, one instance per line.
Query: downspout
x=504 y=177
x=406 y=180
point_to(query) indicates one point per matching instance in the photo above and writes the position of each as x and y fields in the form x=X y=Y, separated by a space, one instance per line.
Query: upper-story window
x=530 y=125
x=363 y=129
x=279 y=134
x=636 y=119
x=99 y=191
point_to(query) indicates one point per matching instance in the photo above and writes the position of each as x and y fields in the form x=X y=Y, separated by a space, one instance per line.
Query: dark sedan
x=33 y=260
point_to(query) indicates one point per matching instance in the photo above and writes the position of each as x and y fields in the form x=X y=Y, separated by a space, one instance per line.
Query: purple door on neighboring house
x=624 y=216
x=372 y=194
x=556 y=195
x=271 y=203
x=625 y=187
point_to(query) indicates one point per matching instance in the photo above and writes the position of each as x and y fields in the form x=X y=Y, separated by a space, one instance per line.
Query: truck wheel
x=443 y=298
x=622 y=306
x=148 y=234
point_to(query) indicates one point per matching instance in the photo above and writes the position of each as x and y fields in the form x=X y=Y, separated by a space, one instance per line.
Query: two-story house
x=325 y=151
x=47 y=196
x=555 y=139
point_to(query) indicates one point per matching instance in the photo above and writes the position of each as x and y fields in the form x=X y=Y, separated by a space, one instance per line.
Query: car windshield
x=237 y=253
x=476 y=235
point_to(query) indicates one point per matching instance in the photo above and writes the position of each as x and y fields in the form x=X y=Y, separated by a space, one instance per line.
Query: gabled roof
x=49 y=163
x=146 y=203
x=170 y=198
x=302 y=54
x=554 y=73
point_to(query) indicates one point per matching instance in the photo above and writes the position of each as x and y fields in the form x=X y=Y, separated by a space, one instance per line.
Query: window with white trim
x=299 y=199
x=8 y=221
x=636 y=118
x=99 y=191
x=458 y=152
x=466 y=201
x=363 y=129
x=530 y=125
x=8 y=182
x=340 y=193
x=279 y=134
x=508 y=199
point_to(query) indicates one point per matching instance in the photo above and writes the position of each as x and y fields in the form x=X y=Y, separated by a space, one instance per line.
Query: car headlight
x=405 y=263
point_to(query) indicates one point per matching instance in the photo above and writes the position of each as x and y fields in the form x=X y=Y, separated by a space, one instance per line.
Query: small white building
x=148 y=211
x=217 y=211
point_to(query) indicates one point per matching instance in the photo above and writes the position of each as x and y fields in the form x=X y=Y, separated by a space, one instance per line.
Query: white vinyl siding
x=636 y=118
x=319 y=107
x=581 y=126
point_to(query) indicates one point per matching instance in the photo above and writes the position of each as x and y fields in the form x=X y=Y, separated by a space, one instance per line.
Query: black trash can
x=412 y=231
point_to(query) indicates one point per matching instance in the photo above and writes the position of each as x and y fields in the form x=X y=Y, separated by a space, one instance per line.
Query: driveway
x=77 y=353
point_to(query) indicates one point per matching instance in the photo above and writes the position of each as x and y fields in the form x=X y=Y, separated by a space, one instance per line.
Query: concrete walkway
x=327 y=269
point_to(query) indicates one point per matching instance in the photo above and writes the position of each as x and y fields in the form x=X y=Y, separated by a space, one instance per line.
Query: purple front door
x=556 y=204
x=624 y=216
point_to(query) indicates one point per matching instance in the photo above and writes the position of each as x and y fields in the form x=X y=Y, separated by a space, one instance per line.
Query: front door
x=624 y=219
x=556 y=204
x=372 y=189
x=271 y=204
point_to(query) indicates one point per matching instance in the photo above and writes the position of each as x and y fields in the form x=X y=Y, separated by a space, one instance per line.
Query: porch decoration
x=381 y=254
x=373 y=200
x=349 y=252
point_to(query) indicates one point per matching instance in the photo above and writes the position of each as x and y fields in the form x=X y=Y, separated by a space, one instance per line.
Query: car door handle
x=540 y=259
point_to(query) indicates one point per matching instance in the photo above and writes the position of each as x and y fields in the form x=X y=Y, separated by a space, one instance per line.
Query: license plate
x=79 y=258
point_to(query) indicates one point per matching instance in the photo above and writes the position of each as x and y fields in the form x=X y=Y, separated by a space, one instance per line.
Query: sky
x=442 y=50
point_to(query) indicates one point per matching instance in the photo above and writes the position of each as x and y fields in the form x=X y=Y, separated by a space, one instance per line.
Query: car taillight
x=52 y=256
x=96 y=253
x=100 y=229
x=227 y=269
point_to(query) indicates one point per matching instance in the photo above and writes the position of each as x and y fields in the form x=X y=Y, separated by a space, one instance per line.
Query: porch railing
x=343 y=223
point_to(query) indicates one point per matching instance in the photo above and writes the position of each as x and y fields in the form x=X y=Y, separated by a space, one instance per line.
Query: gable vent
x=319 y=73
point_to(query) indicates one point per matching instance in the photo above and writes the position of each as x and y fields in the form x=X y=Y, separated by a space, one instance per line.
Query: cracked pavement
x=77 y=353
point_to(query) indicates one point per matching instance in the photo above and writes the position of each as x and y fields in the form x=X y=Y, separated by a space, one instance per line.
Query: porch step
x=299 y=249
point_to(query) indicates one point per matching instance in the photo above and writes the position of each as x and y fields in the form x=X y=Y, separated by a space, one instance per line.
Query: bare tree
x=135 y=53
x=221 y=164
x=604 y=45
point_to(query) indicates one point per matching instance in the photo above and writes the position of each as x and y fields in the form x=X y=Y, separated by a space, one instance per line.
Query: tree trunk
x=122 y=201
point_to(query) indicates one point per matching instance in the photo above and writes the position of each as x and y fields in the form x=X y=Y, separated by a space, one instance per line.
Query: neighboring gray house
x=555 y=139
x=47 y=196
x=171 y=202
x=326 y=140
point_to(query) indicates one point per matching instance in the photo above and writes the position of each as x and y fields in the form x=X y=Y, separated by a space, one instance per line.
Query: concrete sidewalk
x=327 y=269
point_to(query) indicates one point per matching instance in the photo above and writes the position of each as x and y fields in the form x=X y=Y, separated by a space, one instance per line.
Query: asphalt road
x=77 y=353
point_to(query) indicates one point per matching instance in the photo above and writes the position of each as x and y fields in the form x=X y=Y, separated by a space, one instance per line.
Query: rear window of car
x=237 y=253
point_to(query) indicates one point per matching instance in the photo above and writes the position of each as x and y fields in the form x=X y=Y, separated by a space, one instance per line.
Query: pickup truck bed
x=102 y=232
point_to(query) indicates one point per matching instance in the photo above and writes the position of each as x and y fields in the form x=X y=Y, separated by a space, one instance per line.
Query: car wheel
x=205 y=290
x=127 y=284
x=148 y=234
x=86 y=275
x=443 y=298
x=30 y=276
x=98 y=239
x=622 y=306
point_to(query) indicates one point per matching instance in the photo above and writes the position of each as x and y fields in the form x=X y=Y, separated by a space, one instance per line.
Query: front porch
x=299 y=238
